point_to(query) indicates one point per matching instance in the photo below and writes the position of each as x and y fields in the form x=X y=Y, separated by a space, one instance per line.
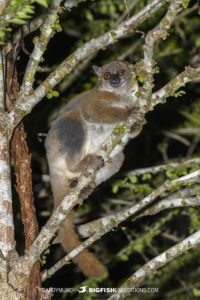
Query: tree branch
x=164 y=167
x=7 y=242
x=40 y=44
x=150 y=267
x=114 y=222
x=24 y=107
x=160 y=31
x=23 y=31
x=2 y=80
x=190 y=74
x=69 y=4
x=83 y=64
x=23 y=173
x=90 y=228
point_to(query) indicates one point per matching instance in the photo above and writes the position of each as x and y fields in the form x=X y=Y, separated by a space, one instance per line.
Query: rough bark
x=23 y=173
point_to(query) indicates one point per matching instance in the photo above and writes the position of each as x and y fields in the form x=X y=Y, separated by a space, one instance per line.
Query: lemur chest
x=97 y=135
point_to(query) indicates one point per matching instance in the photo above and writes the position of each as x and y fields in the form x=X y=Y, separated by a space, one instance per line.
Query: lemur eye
x=106 y=75
x=122 y=72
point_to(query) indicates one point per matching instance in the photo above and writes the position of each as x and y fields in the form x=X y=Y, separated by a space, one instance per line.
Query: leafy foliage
x=17 y=12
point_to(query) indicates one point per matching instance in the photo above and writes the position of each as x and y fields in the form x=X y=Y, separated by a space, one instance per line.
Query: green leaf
x=146 y=176
x=133 y=179
x=89 y=16
x=22 y=15
x=18 y=21
x=196 y=292
x=42 y=2
x=137 y=94
x=53 y=94
x=185 y=3
x=29 y=9
x=157 y=70
x=115 y=189
x=179 y=93
x=141 y=79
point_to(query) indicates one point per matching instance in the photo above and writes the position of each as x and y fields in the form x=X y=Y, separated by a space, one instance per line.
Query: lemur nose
x=115 y=79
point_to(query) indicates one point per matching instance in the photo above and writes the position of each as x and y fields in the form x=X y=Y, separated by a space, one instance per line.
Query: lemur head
x=115 y=76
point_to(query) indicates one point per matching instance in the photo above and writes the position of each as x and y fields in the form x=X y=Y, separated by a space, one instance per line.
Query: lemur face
x=115 y=76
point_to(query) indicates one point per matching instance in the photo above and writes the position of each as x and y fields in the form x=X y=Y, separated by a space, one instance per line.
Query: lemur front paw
x=137 y=114
x=139 y=120
x=92 y=161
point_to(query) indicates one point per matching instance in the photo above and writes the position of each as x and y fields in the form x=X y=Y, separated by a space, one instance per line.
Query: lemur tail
x=87 y=262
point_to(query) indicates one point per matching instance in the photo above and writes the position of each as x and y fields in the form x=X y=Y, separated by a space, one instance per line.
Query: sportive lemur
x=84 y=124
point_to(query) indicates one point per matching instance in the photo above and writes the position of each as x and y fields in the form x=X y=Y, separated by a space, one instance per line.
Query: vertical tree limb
x=160 y=31
x=2 y=80
x=47 y=30
x=7 y=242
x=22 y=167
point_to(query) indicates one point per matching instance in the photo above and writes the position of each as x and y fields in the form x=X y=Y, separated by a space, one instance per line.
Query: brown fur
x=100 y=107
x=86 y=261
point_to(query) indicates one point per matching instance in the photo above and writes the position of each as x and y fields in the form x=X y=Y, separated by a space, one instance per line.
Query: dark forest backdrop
x=171 y=134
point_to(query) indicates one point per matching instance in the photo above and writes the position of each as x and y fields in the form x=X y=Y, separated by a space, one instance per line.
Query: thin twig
x=40 y=44
x=188 y=75
x=160 y=31
x=90 y=228
x=161 y=168
x=149 y=268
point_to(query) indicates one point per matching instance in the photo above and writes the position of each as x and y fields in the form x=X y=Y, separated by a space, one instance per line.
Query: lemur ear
x=97 y=70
